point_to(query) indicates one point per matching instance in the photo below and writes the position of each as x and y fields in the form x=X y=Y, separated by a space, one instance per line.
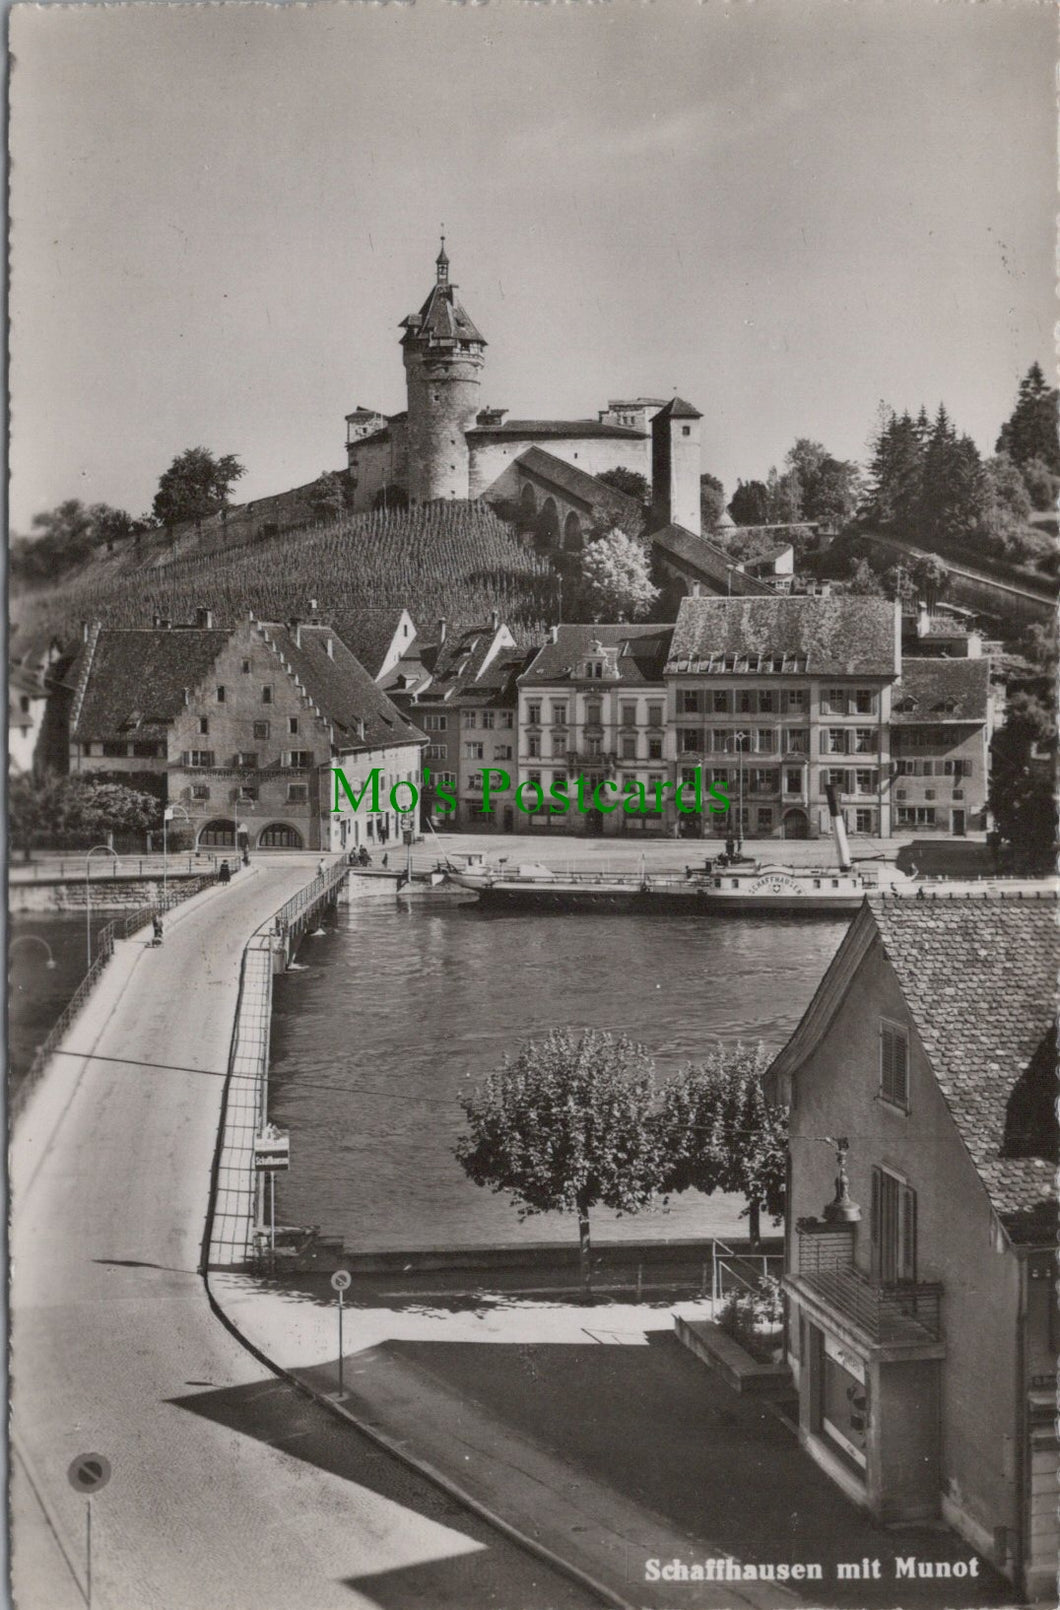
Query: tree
x=615 y=578
x=1021 y=794
x=750 y=503
x=930 y=578
x=1031 y=429
x=711 y=501
x=864 y=582
x=195 y=485
x=830 y=497
x=328 y=496
x=66 y=536
x=71 y=810
x=784 y=497
x=1043 y=485
x=631 y=482
x=566 y=1127
x=717 y=1132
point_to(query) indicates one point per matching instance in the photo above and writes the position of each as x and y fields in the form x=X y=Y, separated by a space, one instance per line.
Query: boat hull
x=653 y=894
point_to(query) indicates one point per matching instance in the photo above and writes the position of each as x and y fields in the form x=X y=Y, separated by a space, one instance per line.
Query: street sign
x=272 y=1150
x=88 y=1473
x=340 y=1280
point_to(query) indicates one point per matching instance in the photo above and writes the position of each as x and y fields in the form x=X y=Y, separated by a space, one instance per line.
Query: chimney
x=553 y=634
x=84 y=631
x=204 y=618
x=923 y=619
x=296 y=631
x=495 y=618
x=330 y=647
x=696 y=590
x=187 y=696
x=313 y=607
x=360 y=728
x=156 y=620
x=442 y=630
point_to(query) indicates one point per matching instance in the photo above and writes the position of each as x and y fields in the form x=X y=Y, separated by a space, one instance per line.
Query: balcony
x=905 y=1316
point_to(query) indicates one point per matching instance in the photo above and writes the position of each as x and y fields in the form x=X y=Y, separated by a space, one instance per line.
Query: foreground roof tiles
x=841 y=636
x=937 y=691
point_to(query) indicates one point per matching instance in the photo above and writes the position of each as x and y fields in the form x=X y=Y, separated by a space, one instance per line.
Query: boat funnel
x=839 y=831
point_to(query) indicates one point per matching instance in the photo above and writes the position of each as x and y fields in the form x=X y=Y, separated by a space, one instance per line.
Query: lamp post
x=88 y=899
x=34 y=939
x=739 y=739
x=167 y=816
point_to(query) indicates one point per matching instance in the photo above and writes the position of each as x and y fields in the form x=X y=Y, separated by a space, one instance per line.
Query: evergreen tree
x=750 y=503
x=1031 y=429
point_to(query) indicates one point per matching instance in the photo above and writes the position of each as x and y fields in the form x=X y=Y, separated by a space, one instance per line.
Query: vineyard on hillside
x=456 y=560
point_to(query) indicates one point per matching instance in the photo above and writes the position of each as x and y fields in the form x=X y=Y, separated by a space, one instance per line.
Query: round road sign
x=88 y=1473
x=340 y=1280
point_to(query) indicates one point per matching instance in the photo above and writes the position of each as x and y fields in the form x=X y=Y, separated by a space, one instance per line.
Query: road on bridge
x=230 y=1491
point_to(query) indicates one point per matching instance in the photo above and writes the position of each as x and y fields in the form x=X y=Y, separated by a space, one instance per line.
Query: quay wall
x=107 y=894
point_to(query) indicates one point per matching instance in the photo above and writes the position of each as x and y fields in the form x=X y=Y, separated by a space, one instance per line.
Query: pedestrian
x=320 y=867
x=386 y=858
x=224 y=873
x=156 y=924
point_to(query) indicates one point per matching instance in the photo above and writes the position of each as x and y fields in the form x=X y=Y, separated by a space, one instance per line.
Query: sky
x=784 y=210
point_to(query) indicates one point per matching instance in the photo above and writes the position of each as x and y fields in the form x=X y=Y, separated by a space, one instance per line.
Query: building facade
x=942 y=720
x=777 y=697
x=592 y=705
x=922 y=1328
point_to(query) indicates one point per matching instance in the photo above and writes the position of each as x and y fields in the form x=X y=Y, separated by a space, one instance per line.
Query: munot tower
x=443 y=355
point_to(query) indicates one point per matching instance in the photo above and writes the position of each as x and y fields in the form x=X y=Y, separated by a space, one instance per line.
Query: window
x=114 y=750
x=474 y=782
x=796 y=742
x=628 y=714
x=629 y=746
x=470 y=718
x=199 y=791
x=487 y=720
x=795 y=700
x=594 y=748
x=763 y=781
x=436 y=752
x=893 y=1229
x=765 y=701
x=443 y=779
x=435 y=723
x=533 y=746
x=793 y=781
x=835 y=700
x=655 y=746
x=593 y=712
x=765 y=819
x=266 y=693
x=865 y=702
x=688 y=740
x=201 y=757
x=300 y=758
x=297 y=793
x=864 y=821
x=916 y=816
x=559 y=714
x=474 y=751
x=689 y=702
x=220 y=695
x=765 y=740
x=261 y=729
x=866 y=741
x=866 y=781
x=533 y=715
x=720 y=702
x=292 y=725
x=507 y=720
x=146 y=751
x=204 y=725
x=502 y=751
x=745 y=702
x=245 y=667
x=837 y=776
x=247 y=758
x=655 y=715
x=894 y=1065
x=246 y=793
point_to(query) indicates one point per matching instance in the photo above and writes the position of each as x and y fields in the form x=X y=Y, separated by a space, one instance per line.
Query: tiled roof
x=642 y=657
x=137 y=679
x=842 y=636
x=979 y=976
x=441 y=318
x=498 y=683
x=342 y=688
x=585 y=428
x=711 y=563
x=677 y=408
x=937 y=691
x=579 y=484
x=369 y=633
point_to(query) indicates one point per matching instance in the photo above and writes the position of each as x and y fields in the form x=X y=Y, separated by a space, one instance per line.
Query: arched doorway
x=218 y=836
x=572 y=533
x=796 y=825
x=280 y=836
x=548 y=523
x=527 y=501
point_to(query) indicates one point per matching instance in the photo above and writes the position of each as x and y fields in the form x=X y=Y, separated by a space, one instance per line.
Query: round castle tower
x=443 y=355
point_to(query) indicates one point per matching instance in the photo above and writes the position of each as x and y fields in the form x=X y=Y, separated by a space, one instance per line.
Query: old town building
x=942 y=720
x=921 y=1220
x=777 y=697
x=236 y=728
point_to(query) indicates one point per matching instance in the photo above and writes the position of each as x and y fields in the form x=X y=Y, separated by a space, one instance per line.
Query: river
x=400 y=1009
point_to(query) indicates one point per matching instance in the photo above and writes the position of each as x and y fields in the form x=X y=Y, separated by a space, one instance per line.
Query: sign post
x=272 y=1154
x=88 y=1474
x=340 y=1282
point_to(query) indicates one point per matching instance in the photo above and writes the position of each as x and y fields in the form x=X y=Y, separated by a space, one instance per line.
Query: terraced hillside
x=454 y=559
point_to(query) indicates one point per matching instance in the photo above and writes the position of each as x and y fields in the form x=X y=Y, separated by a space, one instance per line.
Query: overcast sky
x=784 y=210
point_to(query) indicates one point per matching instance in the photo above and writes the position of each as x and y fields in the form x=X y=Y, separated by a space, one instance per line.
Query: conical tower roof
x=441 y=318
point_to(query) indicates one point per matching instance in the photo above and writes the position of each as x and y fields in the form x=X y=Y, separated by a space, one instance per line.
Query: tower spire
x=442 y=263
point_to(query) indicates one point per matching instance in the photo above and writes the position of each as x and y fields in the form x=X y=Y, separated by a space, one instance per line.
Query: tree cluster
x=66 y=536
x=812 y=487
x=65 y=811
x=195 y=486
x=575 y=1122
x=1023 y=752
x=614 y=580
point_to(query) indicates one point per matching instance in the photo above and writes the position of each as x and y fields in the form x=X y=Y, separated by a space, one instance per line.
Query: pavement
x=229 y=1489
x=594 y=1431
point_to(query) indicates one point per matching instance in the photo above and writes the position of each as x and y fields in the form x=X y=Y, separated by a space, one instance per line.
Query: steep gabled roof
x=369 y=632
x=842 y=636
x=711 y=564
x=937 y=691
x=344 y=691
x=579 y=485
x=677 y=408
x=136 y=679
x=641 y=659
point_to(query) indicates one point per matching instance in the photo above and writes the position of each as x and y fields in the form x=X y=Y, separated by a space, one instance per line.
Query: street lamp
x=88 y=898
x=35 y=939
x=167 y=816
x=739 y=739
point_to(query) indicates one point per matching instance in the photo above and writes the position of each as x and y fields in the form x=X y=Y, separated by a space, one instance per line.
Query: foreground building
x=238 y=729
x=777 y=697
x=922 y=1325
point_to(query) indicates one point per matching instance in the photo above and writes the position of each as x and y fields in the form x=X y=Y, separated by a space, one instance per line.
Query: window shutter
x=907 y=1265
x=184 y=757
x=874 y=1224
x=901 y=1069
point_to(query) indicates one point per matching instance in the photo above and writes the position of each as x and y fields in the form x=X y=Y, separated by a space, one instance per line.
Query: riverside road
x=229 y=1489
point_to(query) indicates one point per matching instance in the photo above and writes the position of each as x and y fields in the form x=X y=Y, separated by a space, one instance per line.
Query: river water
x=400 y=1009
